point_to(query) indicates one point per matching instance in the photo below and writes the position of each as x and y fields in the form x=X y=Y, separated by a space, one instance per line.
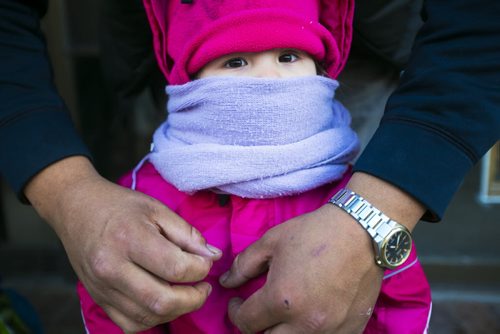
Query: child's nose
x=268 y=70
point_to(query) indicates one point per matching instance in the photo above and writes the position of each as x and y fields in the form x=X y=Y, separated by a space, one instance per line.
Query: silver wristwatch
x=392 y=241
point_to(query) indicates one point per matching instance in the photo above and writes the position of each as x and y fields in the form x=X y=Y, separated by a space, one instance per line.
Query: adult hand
x=321 y=279
x=321 y=272
x=125 y=247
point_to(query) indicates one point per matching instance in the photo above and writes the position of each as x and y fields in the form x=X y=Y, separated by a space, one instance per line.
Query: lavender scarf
x=254 y=137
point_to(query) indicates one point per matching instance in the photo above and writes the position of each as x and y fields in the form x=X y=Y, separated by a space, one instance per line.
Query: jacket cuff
x=419 y=161
x=34 y=141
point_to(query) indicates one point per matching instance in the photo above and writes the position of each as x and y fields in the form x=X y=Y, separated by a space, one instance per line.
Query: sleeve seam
x=449 y=137
x=19 y=115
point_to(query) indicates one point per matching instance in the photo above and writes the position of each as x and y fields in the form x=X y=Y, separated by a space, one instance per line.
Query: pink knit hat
x=188 y=34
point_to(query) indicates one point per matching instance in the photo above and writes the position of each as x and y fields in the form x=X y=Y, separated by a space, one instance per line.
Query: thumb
x=249 y=264
x=181 y=233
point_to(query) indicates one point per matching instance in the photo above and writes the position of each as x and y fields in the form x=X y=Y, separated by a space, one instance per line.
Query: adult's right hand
x=126 y=248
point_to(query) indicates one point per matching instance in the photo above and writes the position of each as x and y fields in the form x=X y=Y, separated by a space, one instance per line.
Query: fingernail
x=224 y=277
x=234 y=302
x=209 y=290
x=214 y=250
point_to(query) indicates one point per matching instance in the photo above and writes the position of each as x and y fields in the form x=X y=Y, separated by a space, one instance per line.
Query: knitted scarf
x=254 y=137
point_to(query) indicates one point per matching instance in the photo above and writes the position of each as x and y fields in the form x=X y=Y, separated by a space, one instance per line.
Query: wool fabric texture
x=254 y=137
x=186 y=37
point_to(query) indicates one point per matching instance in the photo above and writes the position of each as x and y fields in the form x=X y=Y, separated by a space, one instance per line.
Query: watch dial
x=398 y=248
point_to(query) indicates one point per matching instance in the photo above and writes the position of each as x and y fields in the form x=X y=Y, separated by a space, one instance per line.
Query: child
x=254 y=138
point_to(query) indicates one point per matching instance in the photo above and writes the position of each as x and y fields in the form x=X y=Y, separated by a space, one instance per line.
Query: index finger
x=255 y=314
x=164 y=306
x=166 y=260
x=181 y=233
x=250 y=263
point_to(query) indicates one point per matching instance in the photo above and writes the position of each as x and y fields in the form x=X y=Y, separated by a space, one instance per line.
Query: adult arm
x=35 y=127
x=124 y=246
x=445 y=113
x=440 y=121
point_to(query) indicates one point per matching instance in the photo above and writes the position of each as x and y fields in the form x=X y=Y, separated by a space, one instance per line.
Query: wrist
x=50 y=190
x=356 y=239
x=392 y=241
x=392 y=201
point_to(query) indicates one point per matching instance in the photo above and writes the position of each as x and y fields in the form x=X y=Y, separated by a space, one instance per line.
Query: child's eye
x=235 y=63
x=288 y=58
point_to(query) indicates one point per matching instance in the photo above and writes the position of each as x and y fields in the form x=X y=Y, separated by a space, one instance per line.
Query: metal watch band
x=374 y=221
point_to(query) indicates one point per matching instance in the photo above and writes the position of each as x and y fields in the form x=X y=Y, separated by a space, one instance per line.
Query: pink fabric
x=186 y=37
x=403 y=305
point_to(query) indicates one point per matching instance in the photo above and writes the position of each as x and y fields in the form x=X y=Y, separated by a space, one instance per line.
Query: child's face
x=276 y=63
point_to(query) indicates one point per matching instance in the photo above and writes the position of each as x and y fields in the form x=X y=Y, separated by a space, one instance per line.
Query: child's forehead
x=274 y=51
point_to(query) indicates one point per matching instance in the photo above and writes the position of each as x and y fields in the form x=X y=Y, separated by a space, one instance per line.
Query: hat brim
x=255 y=31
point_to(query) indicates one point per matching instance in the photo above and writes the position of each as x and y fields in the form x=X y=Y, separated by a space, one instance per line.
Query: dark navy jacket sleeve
x=446 y=112
x=35 y=127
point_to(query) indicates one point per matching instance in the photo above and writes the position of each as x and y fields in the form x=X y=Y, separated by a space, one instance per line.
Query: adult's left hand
x=322 y=277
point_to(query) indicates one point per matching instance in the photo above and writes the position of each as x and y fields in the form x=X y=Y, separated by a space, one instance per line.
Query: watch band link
x=375 y=222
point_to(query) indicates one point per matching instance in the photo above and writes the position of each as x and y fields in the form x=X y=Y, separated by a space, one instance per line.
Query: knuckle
x=198 y=301
x=152 y=207
x=132 y=324
x=131 y=328
x=163 y=307
x=145 y=320
x=102 y=266
x=179 y=271
x=122 y=236
x=288 y=303
x=316 y=321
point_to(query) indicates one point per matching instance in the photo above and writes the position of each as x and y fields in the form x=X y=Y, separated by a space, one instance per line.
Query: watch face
x=398 y=247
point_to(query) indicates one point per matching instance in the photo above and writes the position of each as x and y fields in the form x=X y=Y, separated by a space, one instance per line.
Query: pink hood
x=189 y=34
